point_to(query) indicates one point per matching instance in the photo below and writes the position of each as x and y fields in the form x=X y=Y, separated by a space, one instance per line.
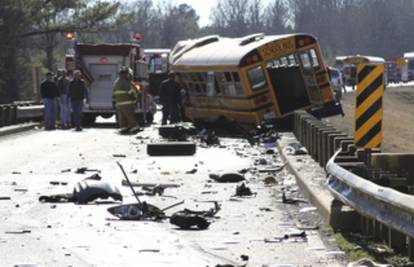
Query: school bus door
x=309 y=64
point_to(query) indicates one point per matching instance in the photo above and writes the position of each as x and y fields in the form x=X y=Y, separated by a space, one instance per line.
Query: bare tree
x=229 y=17
x=277 y=16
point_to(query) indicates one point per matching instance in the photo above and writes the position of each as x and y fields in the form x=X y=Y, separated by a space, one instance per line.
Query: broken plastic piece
x=188 y=219
x=227 y=178
x=136 y=211
x=243 y=190
x=90 y=190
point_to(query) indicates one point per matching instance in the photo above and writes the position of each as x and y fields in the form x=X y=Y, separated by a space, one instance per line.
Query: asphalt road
x=65 y=234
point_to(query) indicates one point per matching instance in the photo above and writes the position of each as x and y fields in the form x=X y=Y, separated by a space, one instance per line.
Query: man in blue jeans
x=64 y=105
x=77 y=93
x=49 y=92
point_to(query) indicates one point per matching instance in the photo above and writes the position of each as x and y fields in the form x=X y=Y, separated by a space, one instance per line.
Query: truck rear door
x=100 y=93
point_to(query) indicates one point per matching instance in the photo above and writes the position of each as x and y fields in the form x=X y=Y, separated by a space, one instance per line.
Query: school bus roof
x=215 y=50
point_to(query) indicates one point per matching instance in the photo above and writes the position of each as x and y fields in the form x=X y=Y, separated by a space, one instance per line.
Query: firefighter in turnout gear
x=124 y=96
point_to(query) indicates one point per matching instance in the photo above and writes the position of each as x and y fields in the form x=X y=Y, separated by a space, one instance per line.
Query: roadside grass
x=357 y=247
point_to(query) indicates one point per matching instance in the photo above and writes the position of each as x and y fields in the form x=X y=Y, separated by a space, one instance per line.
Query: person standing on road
x=49 y=92
x=125 y=96
x=170 y=99
x=77 y=93
x=64 y=106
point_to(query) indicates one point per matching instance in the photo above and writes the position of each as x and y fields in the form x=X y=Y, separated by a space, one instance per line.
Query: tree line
x=32 y=32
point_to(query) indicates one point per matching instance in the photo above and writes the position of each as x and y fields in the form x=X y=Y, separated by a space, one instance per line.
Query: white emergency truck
x=99 y=64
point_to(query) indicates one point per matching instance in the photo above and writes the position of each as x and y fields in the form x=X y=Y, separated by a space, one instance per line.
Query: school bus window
x=292 y=60
x=190 y=87
x=236 y=77
x=220 y=77
x=314 y=57
x=239 y=89
x=257 y=78
x=305 y=60
x=276 y=63
x=284 y=62
x=216 y=85
x=228 y=76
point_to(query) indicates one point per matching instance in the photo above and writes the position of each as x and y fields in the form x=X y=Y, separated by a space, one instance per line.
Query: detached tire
x=171 y=149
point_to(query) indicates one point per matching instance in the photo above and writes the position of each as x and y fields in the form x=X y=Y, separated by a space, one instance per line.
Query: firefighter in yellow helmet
x=124 y=96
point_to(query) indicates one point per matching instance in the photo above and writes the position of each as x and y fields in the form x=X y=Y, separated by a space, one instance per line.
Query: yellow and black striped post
x=368 y=112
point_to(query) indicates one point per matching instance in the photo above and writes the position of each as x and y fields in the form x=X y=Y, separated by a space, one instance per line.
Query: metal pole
x=129 y=183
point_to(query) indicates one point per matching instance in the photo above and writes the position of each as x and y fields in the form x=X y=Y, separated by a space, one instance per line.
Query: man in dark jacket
x=170 y=99
x=49 y=92
x=77 y=93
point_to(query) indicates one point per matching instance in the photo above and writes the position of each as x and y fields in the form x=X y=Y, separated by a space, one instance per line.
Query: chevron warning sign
x=368 y=112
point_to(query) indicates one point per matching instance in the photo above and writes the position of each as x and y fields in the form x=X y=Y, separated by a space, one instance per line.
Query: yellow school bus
x=252 y=78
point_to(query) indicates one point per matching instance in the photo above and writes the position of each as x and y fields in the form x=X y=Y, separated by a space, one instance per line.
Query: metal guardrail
x=18 y=112
x=385 y=213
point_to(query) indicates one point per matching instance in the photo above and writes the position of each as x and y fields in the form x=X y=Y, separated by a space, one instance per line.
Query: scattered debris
x=85 y=192
x=286 y=200
x=307 y=225
x=272 y=168
x=192 y=171
x=169 y=185
x=208 y=137
x=367 y=263
x=119 y=155
x=14 y=172
x=59 y=198
x=83 y=170
x=5 y=198
x=65 y=170
x=178 y=131
x=260 y=162
x=307 y=209
x=137 y=211
x=244 y=171
x=20 y=190
x=227 y=178
x=244 y=257
x=95 y=177
x=265 y=209
x=149 y=250
x=242 y=190
x=58 y=183
x=154 y=190
x=298 y=236
x=297 y=149
x=270 y=180
x=187 y=219
x=18 y=232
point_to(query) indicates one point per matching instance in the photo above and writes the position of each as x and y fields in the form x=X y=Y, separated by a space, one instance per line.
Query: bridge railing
x=21 y=111
x=380 y=197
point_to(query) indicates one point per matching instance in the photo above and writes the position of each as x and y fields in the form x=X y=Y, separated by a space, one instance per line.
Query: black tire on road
x=171 y=149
